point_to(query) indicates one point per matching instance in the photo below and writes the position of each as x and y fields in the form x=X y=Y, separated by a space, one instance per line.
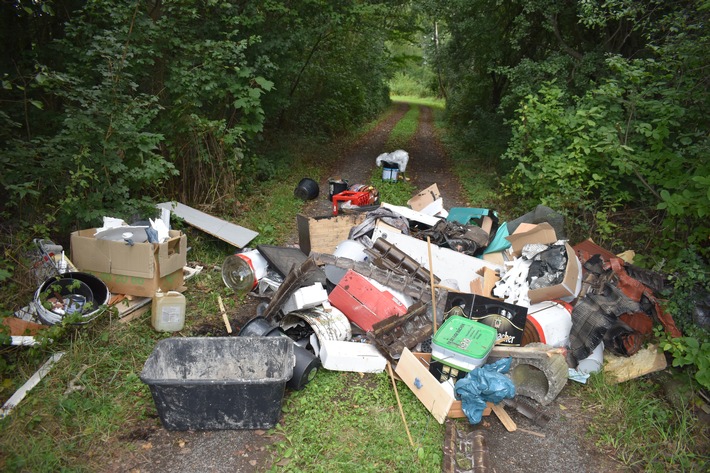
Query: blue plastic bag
x=485 y=384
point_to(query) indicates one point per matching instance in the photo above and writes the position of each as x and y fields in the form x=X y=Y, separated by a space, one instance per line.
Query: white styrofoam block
x=337 y=355
x=306 y=298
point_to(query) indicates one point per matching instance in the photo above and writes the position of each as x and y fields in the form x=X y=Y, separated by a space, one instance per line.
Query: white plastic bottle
x=168 y=311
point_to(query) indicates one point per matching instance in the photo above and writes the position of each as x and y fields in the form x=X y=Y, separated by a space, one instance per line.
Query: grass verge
x=347 y=422
x=428 y=101
x=637 y=424
x=404 y=130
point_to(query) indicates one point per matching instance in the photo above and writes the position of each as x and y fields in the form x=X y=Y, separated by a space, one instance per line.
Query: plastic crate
x=356 y=198
x=219 y=383
x=462 y=343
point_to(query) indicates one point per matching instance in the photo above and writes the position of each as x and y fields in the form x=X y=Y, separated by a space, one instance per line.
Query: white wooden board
x=225 y=231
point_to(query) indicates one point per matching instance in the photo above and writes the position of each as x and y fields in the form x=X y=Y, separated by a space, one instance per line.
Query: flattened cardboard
x=424 y=198
x=428 y=390
x=137 y=270
x=323 y=234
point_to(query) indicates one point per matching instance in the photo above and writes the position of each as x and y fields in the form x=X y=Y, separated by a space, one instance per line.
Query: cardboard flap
x=172 y=256
x=87 y=253
x=424 y=198
x=541 y=233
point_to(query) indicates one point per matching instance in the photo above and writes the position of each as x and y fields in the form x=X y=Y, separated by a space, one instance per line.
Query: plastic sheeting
x=487 y=383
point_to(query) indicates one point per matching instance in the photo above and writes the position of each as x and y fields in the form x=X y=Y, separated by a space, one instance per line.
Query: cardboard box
x=569 y=287
x=323 y=234
x=138 y=270
x=421 y=200
x=542 y=233
x=508 y=319
x=362 y=302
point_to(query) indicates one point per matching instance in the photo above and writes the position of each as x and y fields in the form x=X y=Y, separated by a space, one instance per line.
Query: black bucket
x=307 y=189
x=92 y=294
x=336 y=186
x=307 y=363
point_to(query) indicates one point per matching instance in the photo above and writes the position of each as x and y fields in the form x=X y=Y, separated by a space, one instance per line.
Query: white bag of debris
x=400 y=157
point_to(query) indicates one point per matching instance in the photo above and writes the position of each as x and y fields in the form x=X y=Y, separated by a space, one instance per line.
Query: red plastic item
x=356 y=198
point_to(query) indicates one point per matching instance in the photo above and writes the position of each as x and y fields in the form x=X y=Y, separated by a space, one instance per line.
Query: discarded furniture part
x=465 y=450
x=323 y=234
x=292 y=282
x=338 y=355
x=394 y=334
x=536 y=371
x=535 y=414
x=362 y=302
x=447 y=264
x=306 y=189
x=306 y=365
x=507 y=319
x=219 y=383
x=138 y=269
x=306 y=297
x=645 y=361
x=548 y=322
x=428 y=390
x=282 y=259
x=89 y=298
x=385 y=255
x=404 y=284
x=34 y=380
x=225 y=231
x=327 y=324
x=400 y=157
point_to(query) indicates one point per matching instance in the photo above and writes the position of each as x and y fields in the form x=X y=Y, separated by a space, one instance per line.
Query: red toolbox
x=362 y=302
x=356 y=198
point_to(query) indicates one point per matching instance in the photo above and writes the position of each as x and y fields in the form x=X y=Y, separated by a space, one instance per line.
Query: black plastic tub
x=219 y=383
x=307 y=189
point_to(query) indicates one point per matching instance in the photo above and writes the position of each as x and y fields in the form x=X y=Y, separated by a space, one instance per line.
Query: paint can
x=242 y=271
x=593 y=363
x=350 y=249
x=548 y=322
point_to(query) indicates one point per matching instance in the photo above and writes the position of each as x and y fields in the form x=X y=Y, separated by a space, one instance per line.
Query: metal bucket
x=85 y=293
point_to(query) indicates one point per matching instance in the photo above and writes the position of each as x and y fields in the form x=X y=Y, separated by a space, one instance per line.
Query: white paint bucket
x=549 y=322
x=350 y=249
x=593 y=363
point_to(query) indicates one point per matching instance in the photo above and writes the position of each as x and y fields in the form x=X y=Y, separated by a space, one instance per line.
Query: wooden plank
x=427 y=389
x=647 y=360
x=508 y=423
x=34 y=380
x=225 y=231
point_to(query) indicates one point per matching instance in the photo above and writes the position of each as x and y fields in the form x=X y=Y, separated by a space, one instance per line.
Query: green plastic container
x=463 y=343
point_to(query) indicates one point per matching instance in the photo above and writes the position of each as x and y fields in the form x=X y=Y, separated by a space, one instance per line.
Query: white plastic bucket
x=594 y=362
x=549 y=322
x=350 y=249
x=243 y=271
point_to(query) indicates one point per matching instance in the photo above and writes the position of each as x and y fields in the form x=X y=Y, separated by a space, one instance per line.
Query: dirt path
x=559 y=446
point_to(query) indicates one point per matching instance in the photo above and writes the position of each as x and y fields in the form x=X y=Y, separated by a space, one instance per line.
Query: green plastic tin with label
x=463 y=343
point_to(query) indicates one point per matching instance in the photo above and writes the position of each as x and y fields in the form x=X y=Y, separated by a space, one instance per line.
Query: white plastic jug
x=168 y=311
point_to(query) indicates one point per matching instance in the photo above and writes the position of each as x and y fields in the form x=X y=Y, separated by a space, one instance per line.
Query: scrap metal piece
x=538 y=417
x=283 y=258
x=465 y=450
x=393 y=334
x=406 y=284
